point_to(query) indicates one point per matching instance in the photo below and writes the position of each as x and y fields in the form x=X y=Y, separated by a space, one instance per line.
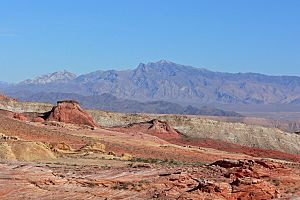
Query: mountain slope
x=3 y=85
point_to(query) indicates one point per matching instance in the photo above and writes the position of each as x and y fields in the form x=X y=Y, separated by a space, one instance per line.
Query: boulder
x=38 y=119
x=228 y=163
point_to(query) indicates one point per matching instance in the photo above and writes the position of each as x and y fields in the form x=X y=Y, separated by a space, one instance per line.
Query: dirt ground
x=66 y=161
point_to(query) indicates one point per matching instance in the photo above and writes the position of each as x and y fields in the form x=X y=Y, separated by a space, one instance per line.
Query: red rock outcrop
x=38 y=119
x=69 y=112
x=5 y=98
x=161 y=127
x=154 y=127
x=20 y=117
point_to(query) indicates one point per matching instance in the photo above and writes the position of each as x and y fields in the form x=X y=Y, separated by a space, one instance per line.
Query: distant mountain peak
x=55 y=77
x=158 y=63
x=164 y=62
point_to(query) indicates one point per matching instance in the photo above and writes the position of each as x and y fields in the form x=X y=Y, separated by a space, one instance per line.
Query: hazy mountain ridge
x=109 y=102
x=3 y=84
x=56 y=77
x=173 y=82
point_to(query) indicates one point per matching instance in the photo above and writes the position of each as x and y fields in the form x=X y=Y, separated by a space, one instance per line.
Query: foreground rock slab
x=244 y=179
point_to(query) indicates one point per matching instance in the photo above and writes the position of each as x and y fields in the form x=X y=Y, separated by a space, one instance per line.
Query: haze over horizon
x=251 y=36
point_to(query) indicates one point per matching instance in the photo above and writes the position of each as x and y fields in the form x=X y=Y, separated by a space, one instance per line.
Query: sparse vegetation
x=275 y=182
x=166 y=162
x=137 y=186
x=122 y=186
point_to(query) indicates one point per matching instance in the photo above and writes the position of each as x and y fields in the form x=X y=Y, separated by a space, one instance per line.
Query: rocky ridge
x=194 y=127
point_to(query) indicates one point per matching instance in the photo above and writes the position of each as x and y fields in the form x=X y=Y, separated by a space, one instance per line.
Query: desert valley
x=149 y=100
x=62 y=151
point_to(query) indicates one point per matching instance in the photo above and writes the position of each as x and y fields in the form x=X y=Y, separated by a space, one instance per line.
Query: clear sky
x=81 y=36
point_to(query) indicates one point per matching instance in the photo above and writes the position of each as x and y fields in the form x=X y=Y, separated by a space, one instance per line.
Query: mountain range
x=167 y=82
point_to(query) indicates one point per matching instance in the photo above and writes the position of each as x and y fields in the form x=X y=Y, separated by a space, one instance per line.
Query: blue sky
x=81 y=36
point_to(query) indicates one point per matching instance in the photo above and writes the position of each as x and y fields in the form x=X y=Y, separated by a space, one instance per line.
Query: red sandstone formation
x=154 y=127
x=20 y=117
x=228 y=179
x=161 y=127
x=70 y=112
x=38 y=119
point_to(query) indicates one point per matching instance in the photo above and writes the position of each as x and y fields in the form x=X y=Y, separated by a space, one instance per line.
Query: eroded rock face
x=95 y=147
x=161 y=127
x=57 y=147
x=69 y=112
x=155 y=127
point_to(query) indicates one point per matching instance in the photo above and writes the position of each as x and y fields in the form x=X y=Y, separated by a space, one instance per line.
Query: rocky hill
x=173 y=82
x=192 y=127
